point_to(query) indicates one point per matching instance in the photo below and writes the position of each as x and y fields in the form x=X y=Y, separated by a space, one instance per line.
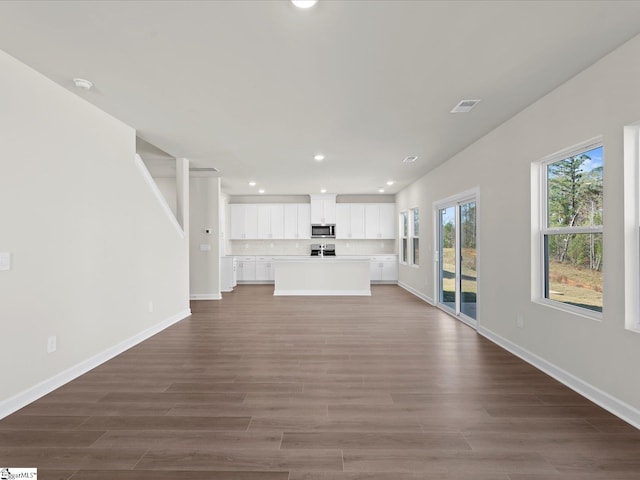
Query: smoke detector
x=465 y=106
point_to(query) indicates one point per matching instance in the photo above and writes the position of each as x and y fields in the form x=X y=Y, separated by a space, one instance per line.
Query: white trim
x=462 y=197
x=576 y=149
x=415 y=292
x=15 y=403
x=361 y=293
x=617 y=407
x=567 y=307
x=632 y=227
x=205 y=296
x=158 y=194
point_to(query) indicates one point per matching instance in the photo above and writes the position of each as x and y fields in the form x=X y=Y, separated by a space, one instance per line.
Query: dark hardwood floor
x=256 y=387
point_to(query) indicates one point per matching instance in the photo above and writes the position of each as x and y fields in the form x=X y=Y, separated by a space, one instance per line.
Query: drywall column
x=182 y=193
x=204 y=238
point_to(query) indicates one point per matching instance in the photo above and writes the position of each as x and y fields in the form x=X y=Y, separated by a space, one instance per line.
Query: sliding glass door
x=447 y=255
x=457 y=253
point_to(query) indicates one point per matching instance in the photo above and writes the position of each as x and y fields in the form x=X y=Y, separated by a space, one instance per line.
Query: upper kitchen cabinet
x=243 y=221
x=323 y=209
x=380 y=220
x=297 y=221
x=350 y=220
x=270 y=221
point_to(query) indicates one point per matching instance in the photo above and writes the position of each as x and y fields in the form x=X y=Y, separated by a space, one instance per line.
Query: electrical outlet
x=150 y=306
x=520 y=321
x=52 y=344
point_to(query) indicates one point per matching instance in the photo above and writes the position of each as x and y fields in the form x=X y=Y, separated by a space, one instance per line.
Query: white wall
x=600 y=358
x=204 y=213
x=91 y=245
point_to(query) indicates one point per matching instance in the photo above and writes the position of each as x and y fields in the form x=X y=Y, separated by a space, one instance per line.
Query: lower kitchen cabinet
x=384 y=268
x=265 y=271
x=261 y=269
x=246 y=269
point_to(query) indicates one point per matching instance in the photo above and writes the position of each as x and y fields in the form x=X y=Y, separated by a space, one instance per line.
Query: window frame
x=542 y=230
x=403 y=220
x=632 y=227
x=413 y=237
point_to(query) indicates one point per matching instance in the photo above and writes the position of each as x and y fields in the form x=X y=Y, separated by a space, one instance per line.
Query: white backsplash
x=302 y=247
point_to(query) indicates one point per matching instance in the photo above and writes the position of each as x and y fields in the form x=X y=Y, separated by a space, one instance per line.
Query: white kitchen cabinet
x=243 y=221
x=265 y=270
x=297 y=221
x=228 y=274
x=384 y=268
x=246 y=269
x=350 y=220
x=270 y=221
x=380 y=221
x=323 y=209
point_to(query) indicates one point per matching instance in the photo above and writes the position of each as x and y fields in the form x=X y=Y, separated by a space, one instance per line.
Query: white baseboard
x=205 y=296
x=15 y=403
x=418 y=294
x=617 y=407
x=362 y=293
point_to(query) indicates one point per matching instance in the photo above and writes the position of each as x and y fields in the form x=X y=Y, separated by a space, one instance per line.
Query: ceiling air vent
x=410 y=159
x=465 y=106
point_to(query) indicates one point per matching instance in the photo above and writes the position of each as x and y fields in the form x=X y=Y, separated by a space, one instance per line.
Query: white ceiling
x=256 y=88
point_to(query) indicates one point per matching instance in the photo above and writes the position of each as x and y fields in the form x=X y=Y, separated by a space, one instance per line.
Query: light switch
x=5 y=261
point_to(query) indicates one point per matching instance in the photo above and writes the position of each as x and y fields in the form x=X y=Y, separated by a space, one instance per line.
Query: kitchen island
x=322 y=276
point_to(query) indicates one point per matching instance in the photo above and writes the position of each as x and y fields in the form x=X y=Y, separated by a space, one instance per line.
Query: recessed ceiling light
x=261 y=190
x=304 y=3
x=390 y=182
x=252 y=184
x=323 y=190
x=410 y=159
x=464 y=106
x=82 y=83
x=318 y=157
x=381 y=190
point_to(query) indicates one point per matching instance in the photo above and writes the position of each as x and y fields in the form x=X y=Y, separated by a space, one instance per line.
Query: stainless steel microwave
x=323 y=231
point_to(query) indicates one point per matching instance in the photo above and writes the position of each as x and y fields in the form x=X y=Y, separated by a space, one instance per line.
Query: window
x=404 y=233
x=415 y=234
x=571 y=228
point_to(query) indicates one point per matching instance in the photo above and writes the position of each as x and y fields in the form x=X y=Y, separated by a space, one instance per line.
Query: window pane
x=468 y=269
x=574 y=269
x=574 y=190
x=416 y=251
x=405 y=224
x=404 y=250
x=416 y=222
x=448 y=264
